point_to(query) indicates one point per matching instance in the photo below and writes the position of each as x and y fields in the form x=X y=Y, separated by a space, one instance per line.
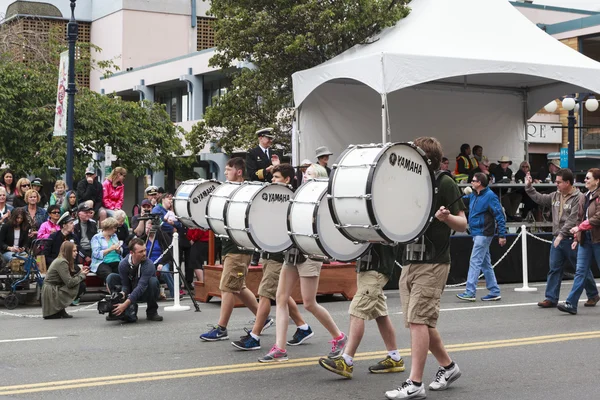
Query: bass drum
x=215 y=207
x=189 y=202
x=312 y=229
x=255 y=216
x=382 y=193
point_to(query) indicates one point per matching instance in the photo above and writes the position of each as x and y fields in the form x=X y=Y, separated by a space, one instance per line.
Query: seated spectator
x=156 y=243
x=90 y=189
x=315 y=171
x=137 y=225
x=58 y=196
x=63 y=285
x=123 y=231
x=503 y=173
x=528 y=204
x=113 y=191
x=477 y=153
x=10 y=184
x=14 y=235
x=484 y=167
x=69 y=204
x=524 y=169
x=51 y=225
x=548 y=175
x=299 y=179
x=37 y=185
x=464 y=163
x=84 y=230
x=65 y=234
x=106 y=250
x=510 y=200
x=23 y=185
x=36 y=214
x=5 y=208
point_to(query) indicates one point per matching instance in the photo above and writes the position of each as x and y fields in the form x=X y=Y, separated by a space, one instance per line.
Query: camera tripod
x=154 y=230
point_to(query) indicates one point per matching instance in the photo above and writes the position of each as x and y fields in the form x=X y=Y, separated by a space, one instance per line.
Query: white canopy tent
x=464 y=71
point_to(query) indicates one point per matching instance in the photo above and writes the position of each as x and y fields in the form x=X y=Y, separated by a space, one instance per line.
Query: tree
x=279 y=38
x=141 y=135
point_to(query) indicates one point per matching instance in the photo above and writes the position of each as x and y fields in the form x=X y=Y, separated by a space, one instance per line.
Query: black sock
x=418 y=384
x=223 y=328
x=450 y=366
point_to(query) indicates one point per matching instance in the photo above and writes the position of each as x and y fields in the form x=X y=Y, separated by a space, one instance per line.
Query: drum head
x=267 y=218
x=189 y=202
x=403 y=189
x=215 y=206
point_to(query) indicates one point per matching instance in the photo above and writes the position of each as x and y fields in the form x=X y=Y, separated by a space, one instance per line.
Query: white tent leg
x=295 y=135
x=384 y=120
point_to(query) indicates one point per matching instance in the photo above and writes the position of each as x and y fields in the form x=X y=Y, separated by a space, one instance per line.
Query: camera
x=151 y=216
x=108 y=303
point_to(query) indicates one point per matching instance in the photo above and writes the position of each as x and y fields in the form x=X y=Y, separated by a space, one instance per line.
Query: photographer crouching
x=138 y=282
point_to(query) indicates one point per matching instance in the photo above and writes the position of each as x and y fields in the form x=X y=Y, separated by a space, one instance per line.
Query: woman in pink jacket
x=113 y=191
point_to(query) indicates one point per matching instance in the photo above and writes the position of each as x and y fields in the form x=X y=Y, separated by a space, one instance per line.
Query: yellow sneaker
x=337 y=366
x=387 y=365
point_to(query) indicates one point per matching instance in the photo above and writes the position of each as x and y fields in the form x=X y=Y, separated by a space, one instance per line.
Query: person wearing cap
x=85 y=229
x=260 y=160
x=56 y=239
x=90 y=189
x=137 y=225
x=510 y=201
x=152 y=195
x=36 y=184
x=322 y=154
x=548 y=175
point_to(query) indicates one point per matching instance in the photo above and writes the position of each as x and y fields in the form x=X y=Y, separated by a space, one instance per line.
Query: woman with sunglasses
x=23 y=185
x=587 y=235
x=50 y=226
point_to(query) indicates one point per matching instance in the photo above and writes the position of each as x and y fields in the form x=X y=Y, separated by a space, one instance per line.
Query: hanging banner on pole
x=62 y=100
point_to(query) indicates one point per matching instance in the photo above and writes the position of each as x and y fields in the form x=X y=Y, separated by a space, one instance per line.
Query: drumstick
x=466 y=191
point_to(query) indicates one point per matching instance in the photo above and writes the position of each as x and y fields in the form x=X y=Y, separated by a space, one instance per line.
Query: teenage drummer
x=298 y=267
x=260 y=162
x=235 y=269
x=267 y=290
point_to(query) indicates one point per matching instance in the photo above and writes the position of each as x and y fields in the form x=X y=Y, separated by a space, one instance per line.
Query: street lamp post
x=72 y=33
x=571 y=139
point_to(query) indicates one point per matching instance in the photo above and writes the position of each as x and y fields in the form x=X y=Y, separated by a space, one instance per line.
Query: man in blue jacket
x=485 y=212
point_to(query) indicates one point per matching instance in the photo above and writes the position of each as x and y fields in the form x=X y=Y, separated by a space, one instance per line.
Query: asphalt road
x=508 y=349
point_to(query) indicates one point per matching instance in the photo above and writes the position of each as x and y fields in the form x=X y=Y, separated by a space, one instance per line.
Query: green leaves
x=280 y=37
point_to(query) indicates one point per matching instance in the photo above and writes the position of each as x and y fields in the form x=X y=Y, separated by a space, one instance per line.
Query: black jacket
x=90 y=191
x=56 y=239
x=500 y=174
x=256 y=162
x=7 y=238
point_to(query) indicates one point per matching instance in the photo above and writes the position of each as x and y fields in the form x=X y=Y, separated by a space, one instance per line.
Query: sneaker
x=301 y=336
x=215 y=334
x=337 y=346
x=77 y=301
x=337 y=366
x=247 y=343
x=546 y=304
x=387 y=365
x=567 y=307
x=408 y=390
x=592 y=301
x=444 y=377
x=491 y=297
x=466 y=296
x=275 y=354
x=268 y=323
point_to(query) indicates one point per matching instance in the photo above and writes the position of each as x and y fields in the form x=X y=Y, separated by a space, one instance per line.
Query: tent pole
x=295 y=137
x=525 y=114
x=384 y=118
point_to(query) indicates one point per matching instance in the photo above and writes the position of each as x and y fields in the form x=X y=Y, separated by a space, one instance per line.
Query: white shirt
x=266 y=151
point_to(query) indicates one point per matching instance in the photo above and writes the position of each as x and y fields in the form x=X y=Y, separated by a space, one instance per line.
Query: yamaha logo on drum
x=275 y=197
x=204 y=194
x=406 y=163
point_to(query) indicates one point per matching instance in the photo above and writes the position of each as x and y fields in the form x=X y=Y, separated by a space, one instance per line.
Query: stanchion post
x=525 y=287
x=175 y=250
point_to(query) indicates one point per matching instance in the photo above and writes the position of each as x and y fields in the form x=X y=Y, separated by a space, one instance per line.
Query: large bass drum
x=382 y=193
x=189 y=202
x=215 y=207
x=255 y=216
x=311 y=228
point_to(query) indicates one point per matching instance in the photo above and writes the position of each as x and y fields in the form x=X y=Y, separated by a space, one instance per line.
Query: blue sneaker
x=215 y=334
x=466 y=296
x=247 y=343
x=301 y=336
x=268 y=323
x=491 y=297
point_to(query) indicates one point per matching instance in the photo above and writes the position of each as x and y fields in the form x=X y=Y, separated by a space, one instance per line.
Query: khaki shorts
x=235 y=269
x=307 y=269
x=421 y=287
x=369 y=301
x=271 y=270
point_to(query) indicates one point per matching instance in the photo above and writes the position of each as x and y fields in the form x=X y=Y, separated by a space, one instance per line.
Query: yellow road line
x=253 y=367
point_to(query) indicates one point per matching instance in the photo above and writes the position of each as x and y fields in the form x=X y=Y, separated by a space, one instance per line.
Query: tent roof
x=461 y=42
